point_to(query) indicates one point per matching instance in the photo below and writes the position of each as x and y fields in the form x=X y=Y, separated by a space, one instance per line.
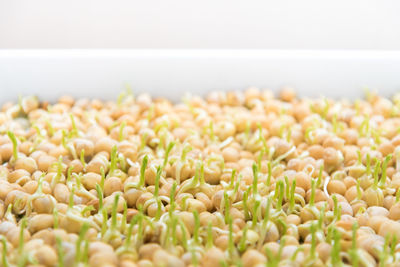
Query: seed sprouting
x=233 y=179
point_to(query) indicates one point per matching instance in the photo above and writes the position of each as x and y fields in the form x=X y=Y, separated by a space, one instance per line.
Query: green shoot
x=87 y=210
x=59 y=170
x=313 y=230
x=103 y=178
x=243 y=239
x=280 y=195
x=186 y=149
x=267 y=212
x=159 y=210
x=353 y=251
x=124 y=216
x=13 y=139
x=60 y=252
x=383 y=255
x=393 y=246
x=172 y=198
x=376 y=174
x=231 y=185
x=368 y=171
x=255 y=179
x=4 y=252
x=196 y=227
x=55 y=217
x=184 y=237
x=384 y=167
x=319 y=180
x=64 y=139
x=281 y=246
x=269 y=173
x=128 y=239
x=245 y=206
x=359 y=158
x=21 y=236
x=21 y=242
x=265 y=149
x=237 y=184
x=321 y=217
x=287 y=187
x=121 y=131
x=78 y=179
x=227 y=207
x=235 y=262
x=104 y=222
x=82 y=157
x=255 y=210
x=259 y=158
x=195 y=261
x=291 y=196
x=69 y=173
x=377 y=136
x=39 y=189
x=283 y=225
x=50 y=127
x=113 y=163
x=397 y=196
x=308 y=135
x=169 y=148
x=289 y=135
x=211 y=129
x=223 y=263
x=272 y=260
x=9 y=214
x=202 y=180
x=100 y=196
x=114 y=212
x=335 y=252
x=142 y=170
x=294 y=256
x=157 y=182
x=184 y=202
x=85 y=255
x=82 y=233
x=74 y=131
x=336 y=208
x=276 y=192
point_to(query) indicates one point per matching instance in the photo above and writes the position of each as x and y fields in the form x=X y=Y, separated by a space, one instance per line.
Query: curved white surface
x=234 y=24
x=171 y=73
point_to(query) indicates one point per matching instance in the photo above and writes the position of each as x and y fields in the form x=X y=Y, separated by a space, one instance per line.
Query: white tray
x=170 y=73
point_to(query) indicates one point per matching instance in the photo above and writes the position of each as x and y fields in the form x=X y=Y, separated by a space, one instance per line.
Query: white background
x=278 y=24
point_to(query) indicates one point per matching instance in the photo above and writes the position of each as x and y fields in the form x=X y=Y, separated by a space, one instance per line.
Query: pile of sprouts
x=232 y=179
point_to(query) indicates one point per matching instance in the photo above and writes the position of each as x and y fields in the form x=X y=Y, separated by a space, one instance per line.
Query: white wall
x=336 y=24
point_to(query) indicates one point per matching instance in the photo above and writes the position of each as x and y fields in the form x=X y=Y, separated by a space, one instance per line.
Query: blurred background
x=44 y=46
x=284 y=24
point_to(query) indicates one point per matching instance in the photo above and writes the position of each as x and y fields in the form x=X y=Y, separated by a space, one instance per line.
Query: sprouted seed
x=232 y=179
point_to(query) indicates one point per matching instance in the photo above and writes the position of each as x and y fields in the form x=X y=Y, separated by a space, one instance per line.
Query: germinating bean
x=232 y=179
